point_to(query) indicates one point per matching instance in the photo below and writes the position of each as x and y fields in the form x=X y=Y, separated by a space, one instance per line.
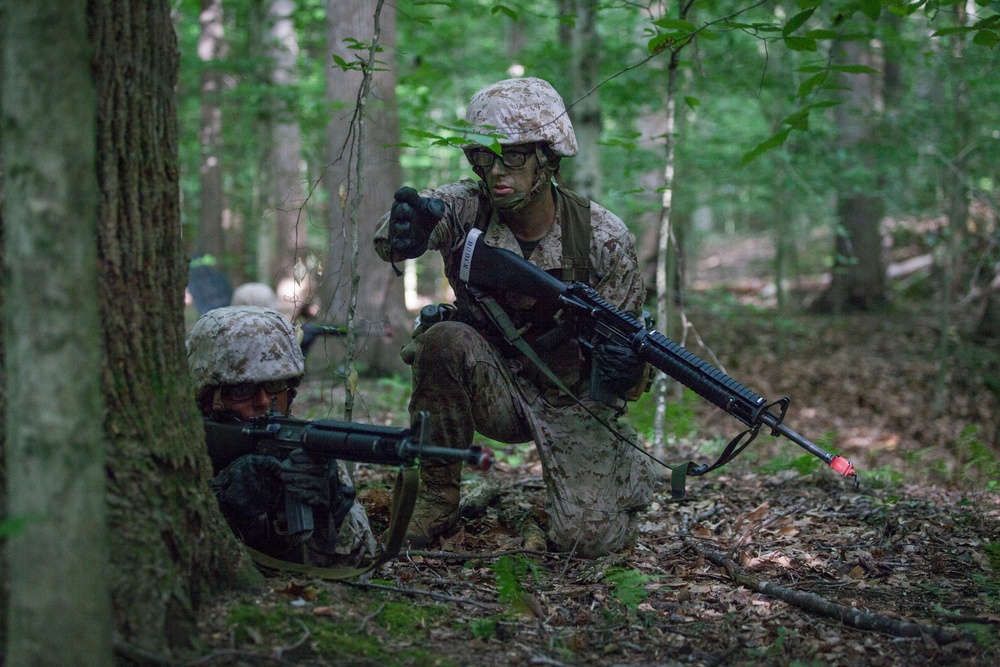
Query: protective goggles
x=479 y=156
x=238 y=393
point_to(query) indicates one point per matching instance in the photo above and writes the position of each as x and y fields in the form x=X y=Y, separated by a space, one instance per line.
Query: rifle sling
x=679 y=473
x=404 y=494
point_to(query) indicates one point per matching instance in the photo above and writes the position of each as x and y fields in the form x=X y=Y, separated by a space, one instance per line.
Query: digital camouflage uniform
x=252 y=344
x=469 y=380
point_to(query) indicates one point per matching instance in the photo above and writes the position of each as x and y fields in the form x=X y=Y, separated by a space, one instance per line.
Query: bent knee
x=593 y=534
x=446 y=341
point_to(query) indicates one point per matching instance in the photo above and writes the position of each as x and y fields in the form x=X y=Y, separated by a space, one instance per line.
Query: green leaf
x=854 y=69
x=507 y=11
x=491 y=141
x=692 y=102
x=14 y=525
x=628 y=586
x=944 y=32
x=800 y=43
x=659 y=42
x=871 y=8
x=811 y=83
x=769 y=145
x=676 y=25
x=796 y=22
x=423 y=134
x=987 y=38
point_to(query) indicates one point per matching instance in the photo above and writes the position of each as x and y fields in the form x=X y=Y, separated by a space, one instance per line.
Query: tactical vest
x=573 y=213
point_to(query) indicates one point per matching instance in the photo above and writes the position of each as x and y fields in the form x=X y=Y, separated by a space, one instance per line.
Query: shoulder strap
x=574 y=216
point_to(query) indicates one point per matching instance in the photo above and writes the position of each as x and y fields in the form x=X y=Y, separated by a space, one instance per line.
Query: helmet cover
x=526 y=110
x=243 y=344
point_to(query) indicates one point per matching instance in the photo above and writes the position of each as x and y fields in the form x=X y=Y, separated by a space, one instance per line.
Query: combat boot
x=436 y=509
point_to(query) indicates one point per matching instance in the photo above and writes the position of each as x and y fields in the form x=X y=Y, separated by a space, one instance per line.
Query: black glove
x=411 y=221
x=307 y=478
x=616 y=369
x=248 y=487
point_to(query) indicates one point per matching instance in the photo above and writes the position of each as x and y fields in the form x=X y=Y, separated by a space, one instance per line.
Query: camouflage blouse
x=614 y=265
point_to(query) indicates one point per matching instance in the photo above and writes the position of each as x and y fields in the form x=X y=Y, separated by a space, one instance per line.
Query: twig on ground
x=364 y=621
x=480 y=555
x=417 y=592
x=281 y=650
x=814 y=603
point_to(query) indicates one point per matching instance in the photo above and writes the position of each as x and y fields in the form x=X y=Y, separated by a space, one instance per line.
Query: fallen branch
x=819 y=605
x=414 y=592
x=485 y=555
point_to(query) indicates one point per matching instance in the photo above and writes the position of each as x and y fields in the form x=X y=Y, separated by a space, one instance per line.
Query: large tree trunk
x=859 y=278
x=380 y=305
x=59 y=609
x=169 y=543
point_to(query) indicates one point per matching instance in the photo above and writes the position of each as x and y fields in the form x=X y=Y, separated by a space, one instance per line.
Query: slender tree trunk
x=380 y=304
x=286 y=245
x=59 y=608
x=211 y=49
x=956 y=203
x=666 y=258
x=169 y=544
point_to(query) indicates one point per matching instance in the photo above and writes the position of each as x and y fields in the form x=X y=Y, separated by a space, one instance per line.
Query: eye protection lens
x=239 y=393
x=484 y=158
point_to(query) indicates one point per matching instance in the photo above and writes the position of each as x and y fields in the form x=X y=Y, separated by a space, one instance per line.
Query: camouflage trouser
x=595 y=482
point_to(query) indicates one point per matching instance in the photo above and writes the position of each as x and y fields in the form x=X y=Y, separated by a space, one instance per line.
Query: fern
x=629 y=586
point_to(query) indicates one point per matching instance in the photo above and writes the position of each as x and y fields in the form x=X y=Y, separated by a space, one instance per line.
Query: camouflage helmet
x=243 y=344
x=526 y=111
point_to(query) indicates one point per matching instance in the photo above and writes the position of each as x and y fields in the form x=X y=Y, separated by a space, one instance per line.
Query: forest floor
x=774 y=559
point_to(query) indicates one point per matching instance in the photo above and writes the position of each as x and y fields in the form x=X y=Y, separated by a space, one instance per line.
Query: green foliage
x=761 y=86
x=803 y=465
x=405 y=618
x=777 y=648
x=15 y=525
x=629 y=586
x=992 y=550
x=883 y=477
x=510 y=571
x=978 y=460
x=483 y=628
x=678 y=419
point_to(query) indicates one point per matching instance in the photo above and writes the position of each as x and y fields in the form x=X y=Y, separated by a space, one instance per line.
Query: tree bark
x=380 y=302
x=585 y=106
x=169 y=543
x=859 y=279
x=59 y=610
x=286 y=245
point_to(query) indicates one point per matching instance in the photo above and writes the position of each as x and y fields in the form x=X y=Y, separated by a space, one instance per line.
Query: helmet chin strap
x=512 y=203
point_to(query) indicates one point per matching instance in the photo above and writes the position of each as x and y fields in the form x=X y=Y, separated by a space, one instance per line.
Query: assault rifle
x=327 y=439
x=586 y=316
